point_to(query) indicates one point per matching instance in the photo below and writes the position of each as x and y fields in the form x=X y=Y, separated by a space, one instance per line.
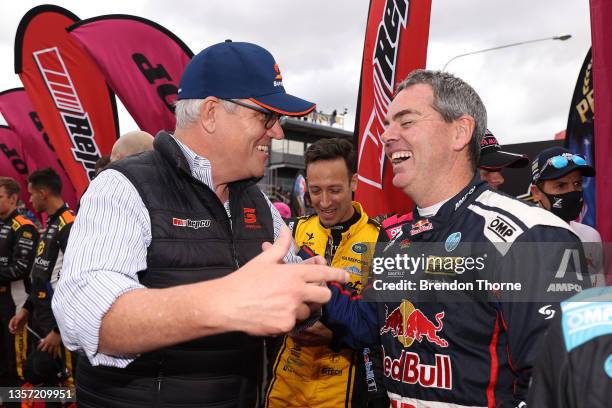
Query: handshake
x=268 y=297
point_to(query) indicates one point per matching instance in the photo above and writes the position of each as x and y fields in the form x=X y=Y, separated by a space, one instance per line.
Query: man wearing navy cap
x=556 y=185
x=493 y=159
x=164 y=288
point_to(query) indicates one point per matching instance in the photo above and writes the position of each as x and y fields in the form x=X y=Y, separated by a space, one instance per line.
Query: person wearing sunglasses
x=556 y=184
x=165 y=286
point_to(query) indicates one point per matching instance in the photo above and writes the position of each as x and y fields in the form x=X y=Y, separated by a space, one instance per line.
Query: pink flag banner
x=141 y=61
x=13 y=161
x=19 y=113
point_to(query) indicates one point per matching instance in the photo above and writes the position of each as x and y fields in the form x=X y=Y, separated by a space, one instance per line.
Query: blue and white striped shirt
x=106 y=249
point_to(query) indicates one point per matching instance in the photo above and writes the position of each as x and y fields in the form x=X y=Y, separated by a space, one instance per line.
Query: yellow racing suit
x=317 y=376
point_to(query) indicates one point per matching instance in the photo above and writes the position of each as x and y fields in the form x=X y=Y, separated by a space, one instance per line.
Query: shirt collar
x=200 y=166
x=432 y=209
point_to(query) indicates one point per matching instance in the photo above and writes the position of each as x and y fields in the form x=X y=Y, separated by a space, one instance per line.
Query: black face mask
x=566 y=206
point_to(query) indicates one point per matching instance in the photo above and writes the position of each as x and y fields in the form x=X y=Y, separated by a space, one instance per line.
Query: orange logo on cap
x=278 y=77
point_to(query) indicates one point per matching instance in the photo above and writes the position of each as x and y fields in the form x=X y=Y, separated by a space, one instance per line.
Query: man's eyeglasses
x=270 y=117
x=561 y=161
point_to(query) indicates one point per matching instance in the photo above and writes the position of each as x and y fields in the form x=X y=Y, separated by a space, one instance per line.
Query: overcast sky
x=318 y=45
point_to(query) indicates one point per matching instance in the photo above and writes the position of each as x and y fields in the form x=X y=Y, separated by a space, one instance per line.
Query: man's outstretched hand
x=267 y=297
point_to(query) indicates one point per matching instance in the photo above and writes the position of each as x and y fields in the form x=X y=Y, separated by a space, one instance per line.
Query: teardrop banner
x=67 y=89
x=19 y=113
x=142 y=62
x=397 y=34
x=13 y=162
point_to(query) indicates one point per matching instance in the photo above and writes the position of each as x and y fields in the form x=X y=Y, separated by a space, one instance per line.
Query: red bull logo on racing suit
x=409 y=369
x=407 y=324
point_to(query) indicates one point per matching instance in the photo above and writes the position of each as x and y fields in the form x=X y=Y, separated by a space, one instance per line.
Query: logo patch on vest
x=195 y=224
x=250 y=219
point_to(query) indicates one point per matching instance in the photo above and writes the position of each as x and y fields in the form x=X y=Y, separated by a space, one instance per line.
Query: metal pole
x=499 y=47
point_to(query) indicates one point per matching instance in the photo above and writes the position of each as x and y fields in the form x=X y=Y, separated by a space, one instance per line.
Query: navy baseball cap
x=492 y=157
x=556 y=162
x=239 y=70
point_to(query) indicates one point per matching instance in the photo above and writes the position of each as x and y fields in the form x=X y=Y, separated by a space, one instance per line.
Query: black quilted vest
x=193 y=240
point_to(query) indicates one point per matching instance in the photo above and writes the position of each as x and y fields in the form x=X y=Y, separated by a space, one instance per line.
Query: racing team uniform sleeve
x=353 y=320
x=23 y=252
x=62 y=241
x=536 y=260
x=550 y=386
x=574 y=370
x=62 y=237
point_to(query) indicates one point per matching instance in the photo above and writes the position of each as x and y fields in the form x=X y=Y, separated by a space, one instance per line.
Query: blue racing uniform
x=472 y=344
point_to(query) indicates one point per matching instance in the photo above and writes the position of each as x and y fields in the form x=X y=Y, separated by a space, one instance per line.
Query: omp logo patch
x=502 y=228
x=586 y=319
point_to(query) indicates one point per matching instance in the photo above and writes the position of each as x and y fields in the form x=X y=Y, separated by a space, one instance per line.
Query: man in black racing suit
x=45 y=188
x=18 y=237
x=444 y=345
x=574 y=370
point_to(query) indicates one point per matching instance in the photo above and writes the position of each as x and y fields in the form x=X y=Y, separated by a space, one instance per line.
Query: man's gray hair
x=453 y=98
x=187 y=111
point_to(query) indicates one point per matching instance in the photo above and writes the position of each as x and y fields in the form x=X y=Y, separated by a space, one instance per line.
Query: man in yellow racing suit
x=309 y=369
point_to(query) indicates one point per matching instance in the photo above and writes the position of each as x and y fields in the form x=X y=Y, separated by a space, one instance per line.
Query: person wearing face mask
x=557 y=181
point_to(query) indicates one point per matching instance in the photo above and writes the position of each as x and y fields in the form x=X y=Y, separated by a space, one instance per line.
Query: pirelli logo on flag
x=75 y=119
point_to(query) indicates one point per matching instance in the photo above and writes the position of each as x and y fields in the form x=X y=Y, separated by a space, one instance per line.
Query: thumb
x=274 y=253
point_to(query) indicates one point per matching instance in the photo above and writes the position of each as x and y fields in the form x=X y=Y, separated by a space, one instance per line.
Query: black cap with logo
x=556 y=162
